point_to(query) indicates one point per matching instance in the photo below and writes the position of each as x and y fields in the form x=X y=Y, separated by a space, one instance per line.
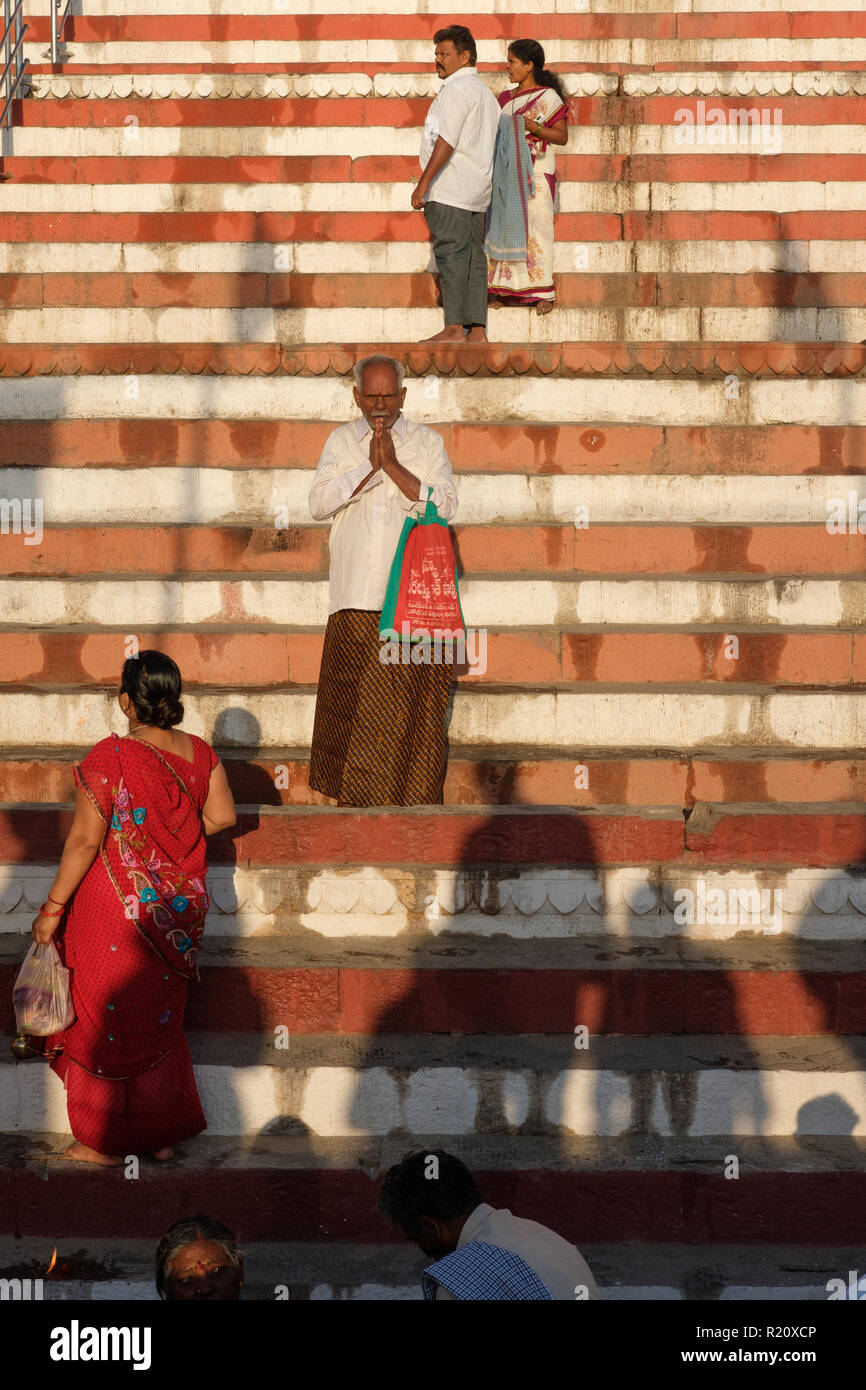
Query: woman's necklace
x=133 y=733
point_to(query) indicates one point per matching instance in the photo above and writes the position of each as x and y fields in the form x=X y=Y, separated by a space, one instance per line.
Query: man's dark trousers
x=458 y=246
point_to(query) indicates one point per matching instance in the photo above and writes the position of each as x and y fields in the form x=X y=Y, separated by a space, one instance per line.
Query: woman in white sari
x=541 y=100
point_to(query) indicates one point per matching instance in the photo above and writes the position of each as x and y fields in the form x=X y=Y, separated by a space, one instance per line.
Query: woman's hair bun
x=152 y=682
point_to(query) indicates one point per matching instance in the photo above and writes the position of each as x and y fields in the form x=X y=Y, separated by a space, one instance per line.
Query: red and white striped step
x=204 y=221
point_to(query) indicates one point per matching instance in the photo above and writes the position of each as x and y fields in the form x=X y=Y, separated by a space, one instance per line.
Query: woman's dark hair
x=462 y=39
x=529 y=51
x=152 y=682
x=417 y=1187
x=187 y=1232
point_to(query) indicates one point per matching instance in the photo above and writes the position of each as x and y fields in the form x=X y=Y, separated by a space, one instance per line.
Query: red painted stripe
x=371 y=69
x=324 y=28
x=588 y=1208
x=527 y=660
x=455 y=839
x=410 y=112
x=750 y=552
x=769 y=359
x=686 y=166
x=783 y=450
x=637 y=1003
x=107 y=289
x=643 y=783
x=277 y=227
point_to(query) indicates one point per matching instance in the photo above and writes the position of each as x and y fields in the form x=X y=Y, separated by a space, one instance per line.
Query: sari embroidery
x=167 y=905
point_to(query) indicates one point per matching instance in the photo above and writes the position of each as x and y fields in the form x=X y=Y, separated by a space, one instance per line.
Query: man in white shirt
x=456 y=183
x=480 y=1251
x=379 y=729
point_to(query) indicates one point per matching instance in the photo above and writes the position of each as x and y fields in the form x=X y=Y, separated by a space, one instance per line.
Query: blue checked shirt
x=481 y=1271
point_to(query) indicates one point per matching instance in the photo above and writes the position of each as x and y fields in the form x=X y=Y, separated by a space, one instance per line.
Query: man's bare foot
x=80 y=1153
x=453 y=333
x=544 y=306
x=476 y=334
x=162 y=1155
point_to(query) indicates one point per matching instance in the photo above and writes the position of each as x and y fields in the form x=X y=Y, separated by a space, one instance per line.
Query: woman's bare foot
x=544 y=306
x=494 y=303
x=80 y=1153
x=452 y=334
x=162 y=1155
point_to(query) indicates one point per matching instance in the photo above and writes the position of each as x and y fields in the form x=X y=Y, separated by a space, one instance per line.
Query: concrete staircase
x=204 y=221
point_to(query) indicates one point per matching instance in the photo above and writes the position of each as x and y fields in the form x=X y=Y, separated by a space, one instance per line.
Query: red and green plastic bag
x=422 y=586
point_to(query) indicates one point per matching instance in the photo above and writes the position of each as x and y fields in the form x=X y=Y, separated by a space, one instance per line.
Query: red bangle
x=43 y=913
x=55 y=900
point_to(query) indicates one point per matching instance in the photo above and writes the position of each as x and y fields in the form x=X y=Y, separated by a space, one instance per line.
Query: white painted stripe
x=659 y=402
x=358 y=142
x=649 y=604
x=255 y=497
x=574 y=722
x=306 y=326
x=621 y=904
x=343 y=1101
x=202 y=86
x=415 y=258
x=612 y=198
x=638 y=52
x=391 y=82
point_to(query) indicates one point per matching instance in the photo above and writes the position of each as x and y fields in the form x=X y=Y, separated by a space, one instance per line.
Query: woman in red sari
x=130 y=895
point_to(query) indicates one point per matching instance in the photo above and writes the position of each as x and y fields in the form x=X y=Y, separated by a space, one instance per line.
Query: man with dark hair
x=480 y=1252
x=456 y=183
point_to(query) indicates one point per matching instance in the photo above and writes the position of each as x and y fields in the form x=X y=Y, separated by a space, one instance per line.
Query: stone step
x=116 y=8
x=482 y=721
x=309 y=263
x=279 y=498
x=37 y=297
x=658 y=402
x=207 y=82
x=744 y=449
x=106 y=152
x=102 y=1269
x=323 y=325
x=359 y=42
x=365 y=199
x=192 y=550
x=560 y=657
x=321 y=1196
x=655 y=782
x=463 y=1085
x=667 y=916
x=239 y=604
x=254 y=987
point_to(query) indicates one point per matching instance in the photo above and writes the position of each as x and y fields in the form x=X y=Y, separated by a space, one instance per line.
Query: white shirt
x=557 y=1262
x=466 y=114
x=366 y=528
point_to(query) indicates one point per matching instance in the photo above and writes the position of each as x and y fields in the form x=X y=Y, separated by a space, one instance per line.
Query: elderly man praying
x=379 y=730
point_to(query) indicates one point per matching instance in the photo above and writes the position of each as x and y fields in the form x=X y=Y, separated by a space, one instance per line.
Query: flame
x=53 y=1262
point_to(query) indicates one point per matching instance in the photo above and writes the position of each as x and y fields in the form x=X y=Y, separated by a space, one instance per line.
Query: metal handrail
x=12 y=42
x=57 y=26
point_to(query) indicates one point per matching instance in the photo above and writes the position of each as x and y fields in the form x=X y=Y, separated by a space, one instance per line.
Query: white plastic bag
x=43 y=1004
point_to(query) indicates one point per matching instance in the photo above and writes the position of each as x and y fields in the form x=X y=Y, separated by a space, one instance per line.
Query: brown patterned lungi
x=379 y=731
